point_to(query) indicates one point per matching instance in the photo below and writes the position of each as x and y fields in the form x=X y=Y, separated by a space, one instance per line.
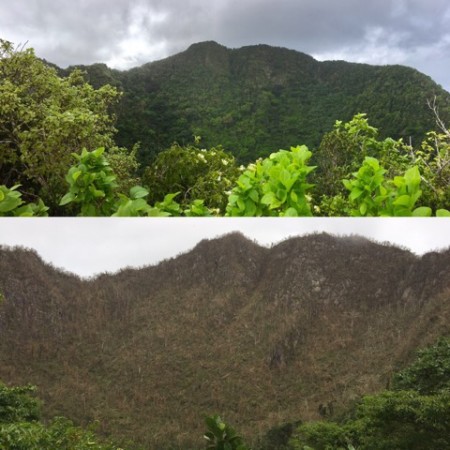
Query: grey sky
x=91 y=246
x=126 y=33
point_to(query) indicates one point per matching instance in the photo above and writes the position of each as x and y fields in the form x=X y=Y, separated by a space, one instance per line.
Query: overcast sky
x=127 y=33
x=91 y=246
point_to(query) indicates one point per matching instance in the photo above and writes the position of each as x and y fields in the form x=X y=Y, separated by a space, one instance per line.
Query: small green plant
x=221 y=436
x=275 y=186
x=91 y=184
x=371 y=194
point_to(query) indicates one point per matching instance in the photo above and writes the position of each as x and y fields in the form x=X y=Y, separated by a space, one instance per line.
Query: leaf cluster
x=12 y=204
x=275 y=186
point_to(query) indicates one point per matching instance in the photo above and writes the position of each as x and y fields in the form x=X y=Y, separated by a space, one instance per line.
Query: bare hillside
x=261 y=336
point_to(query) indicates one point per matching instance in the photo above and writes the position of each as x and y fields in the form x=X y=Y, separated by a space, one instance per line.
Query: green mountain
x=262 y=336
x=257 y=99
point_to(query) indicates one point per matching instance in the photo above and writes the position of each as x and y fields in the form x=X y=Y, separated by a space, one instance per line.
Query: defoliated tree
x=44 y=119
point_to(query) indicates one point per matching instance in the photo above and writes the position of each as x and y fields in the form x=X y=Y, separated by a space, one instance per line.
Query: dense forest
x=258 y=99
x=199 y=133
x=269 y=338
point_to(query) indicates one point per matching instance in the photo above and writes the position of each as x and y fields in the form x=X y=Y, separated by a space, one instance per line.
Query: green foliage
x=221 y=436
x=413 y=416
x=195 y=173
x=20 y=428
x=257 y=99
x=275 y=186
x=320 y=436
x=343 y=151
x=372 y=195
x=91 y=184
x=433 y=158
x=60 y=434
x=16 y=404
x=429 y=373
x=12 y=204
x=403 y=420
x=44 y=119
x=125 y=166
x=93 y=188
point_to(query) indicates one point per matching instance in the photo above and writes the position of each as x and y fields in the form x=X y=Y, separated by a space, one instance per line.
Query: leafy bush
x=430 y=373
x=413 y=416
x=91 y=184
x=16 y=404
x=275 y=186
x=343 y=150
x=44 y=119
x=195 y=173
x=93 y=188
x=373 y=195
x=20 y=428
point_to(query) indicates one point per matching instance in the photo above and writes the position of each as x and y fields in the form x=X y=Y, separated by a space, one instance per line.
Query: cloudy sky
x=91 y=246
x=126 y=33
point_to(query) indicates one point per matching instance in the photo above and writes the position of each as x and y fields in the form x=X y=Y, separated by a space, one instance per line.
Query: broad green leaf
x=269 y=199
x=412 y=177
x=291 y=212
x=138 y=192
x=442 y=213
x=403 y=200
x=422 y=211
x=9 y=203
x=76 y=174
x=253 y=194
x=355 y=193
x=286 y=179
x=363 y=209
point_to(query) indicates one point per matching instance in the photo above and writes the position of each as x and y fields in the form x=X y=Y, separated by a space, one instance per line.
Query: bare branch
x=433 y=106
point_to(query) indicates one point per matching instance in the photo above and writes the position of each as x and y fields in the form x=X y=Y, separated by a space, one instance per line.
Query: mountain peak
x=216 y=329
x=206 y=45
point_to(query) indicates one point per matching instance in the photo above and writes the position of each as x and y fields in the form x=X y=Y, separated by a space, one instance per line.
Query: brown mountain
x=261 y=336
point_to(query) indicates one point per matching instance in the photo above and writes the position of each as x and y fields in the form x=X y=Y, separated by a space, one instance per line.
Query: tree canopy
x=44 y=119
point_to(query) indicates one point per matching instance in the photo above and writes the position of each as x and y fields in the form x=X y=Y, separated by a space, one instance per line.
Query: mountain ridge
x=261 y=335
x=257 y=99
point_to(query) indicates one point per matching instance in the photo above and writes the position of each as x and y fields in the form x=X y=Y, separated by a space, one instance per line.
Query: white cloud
x=133 y=32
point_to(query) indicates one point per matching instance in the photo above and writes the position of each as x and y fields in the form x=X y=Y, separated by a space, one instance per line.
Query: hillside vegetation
x=59 y=152
x=263 y=336
x=257 y=99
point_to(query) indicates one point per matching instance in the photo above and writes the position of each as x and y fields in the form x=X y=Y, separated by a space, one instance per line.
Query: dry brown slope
x=262 y=336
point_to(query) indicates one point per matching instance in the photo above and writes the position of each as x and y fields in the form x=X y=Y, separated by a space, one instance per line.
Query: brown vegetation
x=261 y=336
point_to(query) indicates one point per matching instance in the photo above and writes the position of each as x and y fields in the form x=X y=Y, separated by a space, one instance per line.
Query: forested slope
x=257 y=99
